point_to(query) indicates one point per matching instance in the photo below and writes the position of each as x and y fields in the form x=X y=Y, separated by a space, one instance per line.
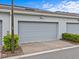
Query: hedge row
x=70 y=37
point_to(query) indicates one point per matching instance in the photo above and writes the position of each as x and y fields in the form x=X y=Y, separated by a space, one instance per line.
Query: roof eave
x=36 y=13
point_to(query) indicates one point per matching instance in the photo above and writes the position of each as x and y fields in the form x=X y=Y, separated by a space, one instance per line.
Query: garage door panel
x=73 y=28
x=37 y=31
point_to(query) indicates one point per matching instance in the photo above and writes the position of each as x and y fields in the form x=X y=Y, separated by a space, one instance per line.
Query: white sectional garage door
x=73 y=28
x=0 y=32
x=37 y=31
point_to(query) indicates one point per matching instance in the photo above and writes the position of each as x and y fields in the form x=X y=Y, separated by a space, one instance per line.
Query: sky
x=71 y=6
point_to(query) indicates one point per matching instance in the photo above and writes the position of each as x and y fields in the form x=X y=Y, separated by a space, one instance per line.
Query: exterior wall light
x=41 y=17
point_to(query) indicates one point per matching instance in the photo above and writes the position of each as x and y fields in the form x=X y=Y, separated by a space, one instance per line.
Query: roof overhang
x=38 y=14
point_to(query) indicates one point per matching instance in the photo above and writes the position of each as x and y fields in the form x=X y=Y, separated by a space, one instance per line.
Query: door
x=37 y=31
x=73 y=28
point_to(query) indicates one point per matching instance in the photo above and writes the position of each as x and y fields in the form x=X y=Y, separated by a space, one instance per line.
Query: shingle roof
x=20 y=8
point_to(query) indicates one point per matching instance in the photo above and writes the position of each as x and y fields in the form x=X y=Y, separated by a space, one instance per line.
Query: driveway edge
x=43 y=52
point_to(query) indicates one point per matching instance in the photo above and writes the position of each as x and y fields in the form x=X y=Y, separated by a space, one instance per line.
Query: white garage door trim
x=38 y=23
x=1 y=32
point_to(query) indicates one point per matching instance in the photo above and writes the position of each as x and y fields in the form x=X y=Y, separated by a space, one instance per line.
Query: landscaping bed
x=73 y=38
x=11 y=46
x=17 y=52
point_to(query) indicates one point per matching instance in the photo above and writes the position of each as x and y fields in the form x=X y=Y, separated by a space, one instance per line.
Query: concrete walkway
x=43 y=46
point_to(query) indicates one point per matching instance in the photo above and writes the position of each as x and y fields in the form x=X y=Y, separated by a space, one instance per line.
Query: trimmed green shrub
x=70 y=37
x=7 y=42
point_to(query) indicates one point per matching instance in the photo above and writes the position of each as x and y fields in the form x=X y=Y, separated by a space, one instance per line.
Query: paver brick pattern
x=42 y=46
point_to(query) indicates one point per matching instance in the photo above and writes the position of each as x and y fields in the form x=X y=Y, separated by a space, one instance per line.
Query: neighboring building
x=34 y=25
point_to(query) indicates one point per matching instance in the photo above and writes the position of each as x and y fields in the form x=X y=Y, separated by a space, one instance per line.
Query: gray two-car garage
x=33 y=25
x=37 y=31
x=42 y=31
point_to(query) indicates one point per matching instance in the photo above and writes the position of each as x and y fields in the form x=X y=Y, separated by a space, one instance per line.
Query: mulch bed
x=17 y=52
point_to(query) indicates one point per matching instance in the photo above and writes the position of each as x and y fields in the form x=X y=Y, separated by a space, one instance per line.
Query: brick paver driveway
x=42 y=46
